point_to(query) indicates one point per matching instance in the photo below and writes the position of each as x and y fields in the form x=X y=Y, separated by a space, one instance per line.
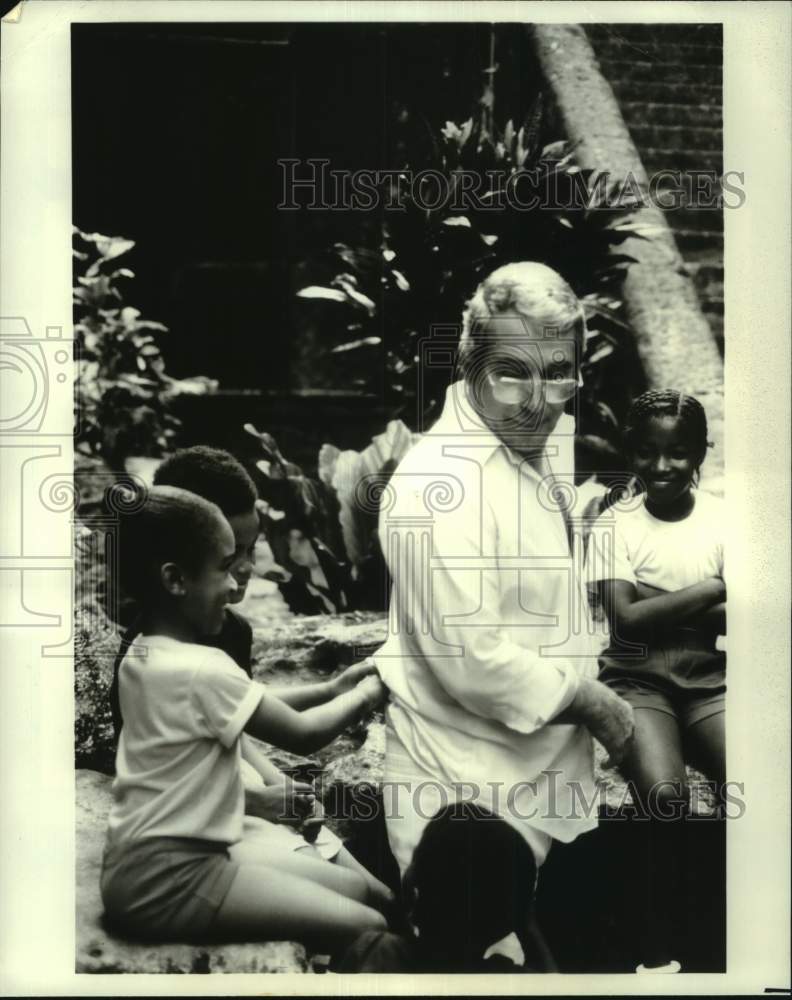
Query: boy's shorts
x=688 y=708
x=165 y=888
x=170 y=888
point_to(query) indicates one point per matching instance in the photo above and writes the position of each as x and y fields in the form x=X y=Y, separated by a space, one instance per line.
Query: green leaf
x=111 y=247
x=354 y=344
x=401 y=282
x=150 y=324
x=356 y=297
x=318 y=292
x=604 y=351
x=129 y=315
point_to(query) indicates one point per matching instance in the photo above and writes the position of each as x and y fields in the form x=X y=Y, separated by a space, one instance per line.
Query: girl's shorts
x=170 y=888
x=165 y=888
x=688 y=708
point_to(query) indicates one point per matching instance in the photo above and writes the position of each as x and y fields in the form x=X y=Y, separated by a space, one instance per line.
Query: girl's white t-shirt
x=635 y=546
x=178 y=762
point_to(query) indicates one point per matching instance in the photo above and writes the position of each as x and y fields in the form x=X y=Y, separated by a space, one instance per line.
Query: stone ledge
x=304 y=649
x=308 y=648
x=97 y=951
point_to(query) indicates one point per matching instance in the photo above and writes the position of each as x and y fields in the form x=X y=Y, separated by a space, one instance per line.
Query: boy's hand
x=313 y=823
x=287 y=802
x=374 y=692
x=350 y=678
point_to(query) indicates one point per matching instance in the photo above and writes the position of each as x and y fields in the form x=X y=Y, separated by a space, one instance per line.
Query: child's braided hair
x=668 y=403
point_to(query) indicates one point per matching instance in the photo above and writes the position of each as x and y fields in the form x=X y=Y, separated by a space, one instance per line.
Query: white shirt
x=628 y=543
x=489 y=626
x=178 y=763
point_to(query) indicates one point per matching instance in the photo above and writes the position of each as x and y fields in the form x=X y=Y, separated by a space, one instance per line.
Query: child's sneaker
x=320 y=964
x=659 y=970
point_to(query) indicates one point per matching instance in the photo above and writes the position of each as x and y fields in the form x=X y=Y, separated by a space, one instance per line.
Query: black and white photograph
x=408 y=465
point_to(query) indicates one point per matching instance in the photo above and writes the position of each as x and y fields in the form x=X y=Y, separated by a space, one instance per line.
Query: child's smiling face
x=209 y=589
x=245 y=527
x=664 y=460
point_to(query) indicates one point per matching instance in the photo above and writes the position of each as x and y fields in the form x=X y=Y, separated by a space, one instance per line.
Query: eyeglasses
x=516 y=391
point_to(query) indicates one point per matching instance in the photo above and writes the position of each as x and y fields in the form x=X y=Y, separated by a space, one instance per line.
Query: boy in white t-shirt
x=655 y=562
x=175 y=865
x=284 y=812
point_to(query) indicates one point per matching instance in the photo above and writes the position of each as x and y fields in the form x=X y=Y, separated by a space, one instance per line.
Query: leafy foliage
x=323 y=532
x=123 y=395
x=95 y=646
x=429 y=262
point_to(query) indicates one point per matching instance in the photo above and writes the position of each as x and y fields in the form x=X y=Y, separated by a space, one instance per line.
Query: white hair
x=533 y=290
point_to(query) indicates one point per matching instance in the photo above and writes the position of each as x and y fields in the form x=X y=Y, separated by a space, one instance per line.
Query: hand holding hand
x=350 y=678
x=374 y=692
x=313 y=823
x=287 y=802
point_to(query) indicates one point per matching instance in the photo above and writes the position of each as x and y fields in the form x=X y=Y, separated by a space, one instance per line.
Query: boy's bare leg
x=268 y=903
x=304 y=865
x=379 y=895
x=656 y=767
x=537 y=947
x=706 y=746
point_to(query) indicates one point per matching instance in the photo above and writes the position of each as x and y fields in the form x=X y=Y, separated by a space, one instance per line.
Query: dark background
x=177 y=129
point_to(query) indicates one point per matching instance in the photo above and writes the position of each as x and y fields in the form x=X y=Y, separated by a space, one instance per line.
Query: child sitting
x=176 y=866
x=469 y=890
x=657 y=566
x=282 y=811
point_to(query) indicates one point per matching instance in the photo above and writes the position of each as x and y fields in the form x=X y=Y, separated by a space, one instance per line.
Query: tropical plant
x=323 y=532
x=429 y=261
x=123 y=396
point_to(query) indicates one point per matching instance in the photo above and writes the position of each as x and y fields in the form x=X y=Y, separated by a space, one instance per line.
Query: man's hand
x=607 y=717
x=352 y=676
x=287 y=802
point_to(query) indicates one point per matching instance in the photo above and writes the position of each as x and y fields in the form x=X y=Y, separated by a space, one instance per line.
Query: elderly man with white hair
x=491 y=653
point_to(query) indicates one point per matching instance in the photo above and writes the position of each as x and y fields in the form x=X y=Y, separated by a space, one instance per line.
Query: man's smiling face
x=524 y=380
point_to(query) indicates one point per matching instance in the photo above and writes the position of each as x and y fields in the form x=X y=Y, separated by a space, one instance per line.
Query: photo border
x=36 y=738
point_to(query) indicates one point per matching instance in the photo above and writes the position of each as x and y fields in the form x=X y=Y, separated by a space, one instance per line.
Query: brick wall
x=667 y=79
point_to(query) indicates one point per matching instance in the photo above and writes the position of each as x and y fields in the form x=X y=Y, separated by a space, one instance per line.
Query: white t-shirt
x=178 y=763
x=635 y=546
